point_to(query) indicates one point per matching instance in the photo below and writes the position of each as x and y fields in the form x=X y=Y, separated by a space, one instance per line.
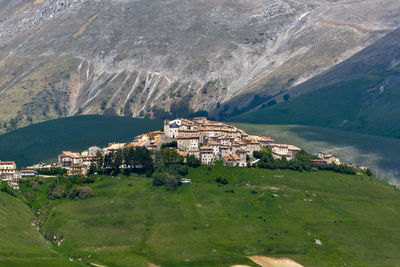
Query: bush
x=168 y=180
x=6 y=189
x=171 y=182
x=34 y=185
x=369 y=172
x=182 y=170
x=158 y=179
x=80 y=193
x=221 y=180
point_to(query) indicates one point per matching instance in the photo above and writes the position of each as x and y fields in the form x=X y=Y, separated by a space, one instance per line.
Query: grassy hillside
x=260 y=212
x=44 y=141
x=20 y=243
x=368 y=104
x=379 y=153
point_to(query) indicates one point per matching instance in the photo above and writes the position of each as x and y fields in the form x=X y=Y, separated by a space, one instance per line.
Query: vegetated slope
x=139 y=58
x=44 y=141
x=376 y=152
x=361 y=94
x=260 y=212
x=20 y=243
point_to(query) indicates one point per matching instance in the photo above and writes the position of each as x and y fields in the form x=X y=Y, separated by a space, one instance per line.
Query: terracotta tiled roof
x=188 y=130
x=232 y=157
x=187 y=137
x=206 y=149
x=115 y=146
x=138 y=143
x=30 y=171
x=72 y=154
x=183 y=154
x=6 y=162
x=78 y=166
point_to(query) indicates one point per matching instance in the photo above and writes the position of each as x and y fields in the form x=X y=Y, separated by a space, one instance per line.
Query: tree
x=103 y=105
x=170 y=144
x=108 y=161
x=193 y=162
x=170 y=156
x=286 y=97
x=171 y=182
x=100 y=160
x=271 y=103
x=117 y=161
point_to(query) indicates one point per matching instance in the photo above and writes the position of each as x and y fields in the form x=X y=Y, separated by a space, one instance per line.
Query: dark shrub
x=80 y=193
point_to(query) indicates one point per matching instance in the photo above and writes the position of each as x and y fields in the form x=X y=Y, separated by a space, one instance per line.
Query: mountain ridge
x=148 y=58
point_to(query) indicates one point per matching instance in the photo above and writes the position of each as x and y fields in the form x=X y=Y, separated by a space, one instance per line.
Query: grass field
x=378 y=153
x=44 y=141
x=260 y=212
x=20 y=243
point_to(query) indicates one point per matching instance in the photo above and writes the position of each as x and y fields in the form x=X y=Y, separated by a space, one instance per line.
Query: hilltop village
x=206 y=140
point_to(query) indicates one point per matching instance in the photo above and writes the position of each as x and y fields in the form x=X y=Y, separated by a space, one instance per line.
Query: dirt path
x=274 y=262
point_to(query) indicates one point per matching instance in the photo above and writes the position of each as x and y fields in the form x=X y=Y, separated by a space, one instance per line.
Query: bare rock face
x=148 y=57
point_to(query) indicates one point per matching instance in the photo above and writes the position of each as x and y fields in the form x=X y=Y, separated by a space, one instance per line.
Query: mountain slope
x=361 y=94
x=139 y=58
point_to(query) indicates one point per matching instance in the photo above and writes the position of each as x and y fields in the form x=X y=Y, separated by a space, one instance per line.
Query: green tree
x=286 y=97
x=170 y=156
x=193 y=162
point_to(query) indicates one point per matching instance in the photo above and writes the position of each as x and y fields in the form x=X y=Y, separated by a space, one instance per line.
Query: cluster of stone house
x=77 y=163
x=10 y=173
x=327 y=158
x=204 y=139
x=210 y=141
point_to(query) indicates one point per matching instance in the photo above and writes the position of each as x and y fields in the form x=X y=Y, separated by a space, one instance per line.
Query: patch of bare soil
x=274 y=262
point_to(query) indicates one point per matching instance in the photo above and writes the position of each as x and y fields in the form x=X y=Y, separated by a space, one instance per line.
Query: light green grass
x=378 y=153
x=20 y=243
x=130 y=223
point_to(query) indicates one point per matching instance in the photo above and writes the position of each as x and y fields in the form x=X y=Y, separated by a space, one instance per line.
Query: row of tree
x=135 y=159
x=302 y=162
x=166 y=166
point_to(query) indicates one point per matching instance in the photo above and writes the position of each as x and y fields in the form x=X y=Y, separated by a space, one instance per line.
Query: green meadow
x=20 y=243
x=280 y=213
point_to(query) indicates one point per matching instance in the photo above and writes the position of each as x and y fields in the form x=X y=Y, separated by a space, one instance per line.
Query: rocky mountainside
x=361 y=94
x=153 y=57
